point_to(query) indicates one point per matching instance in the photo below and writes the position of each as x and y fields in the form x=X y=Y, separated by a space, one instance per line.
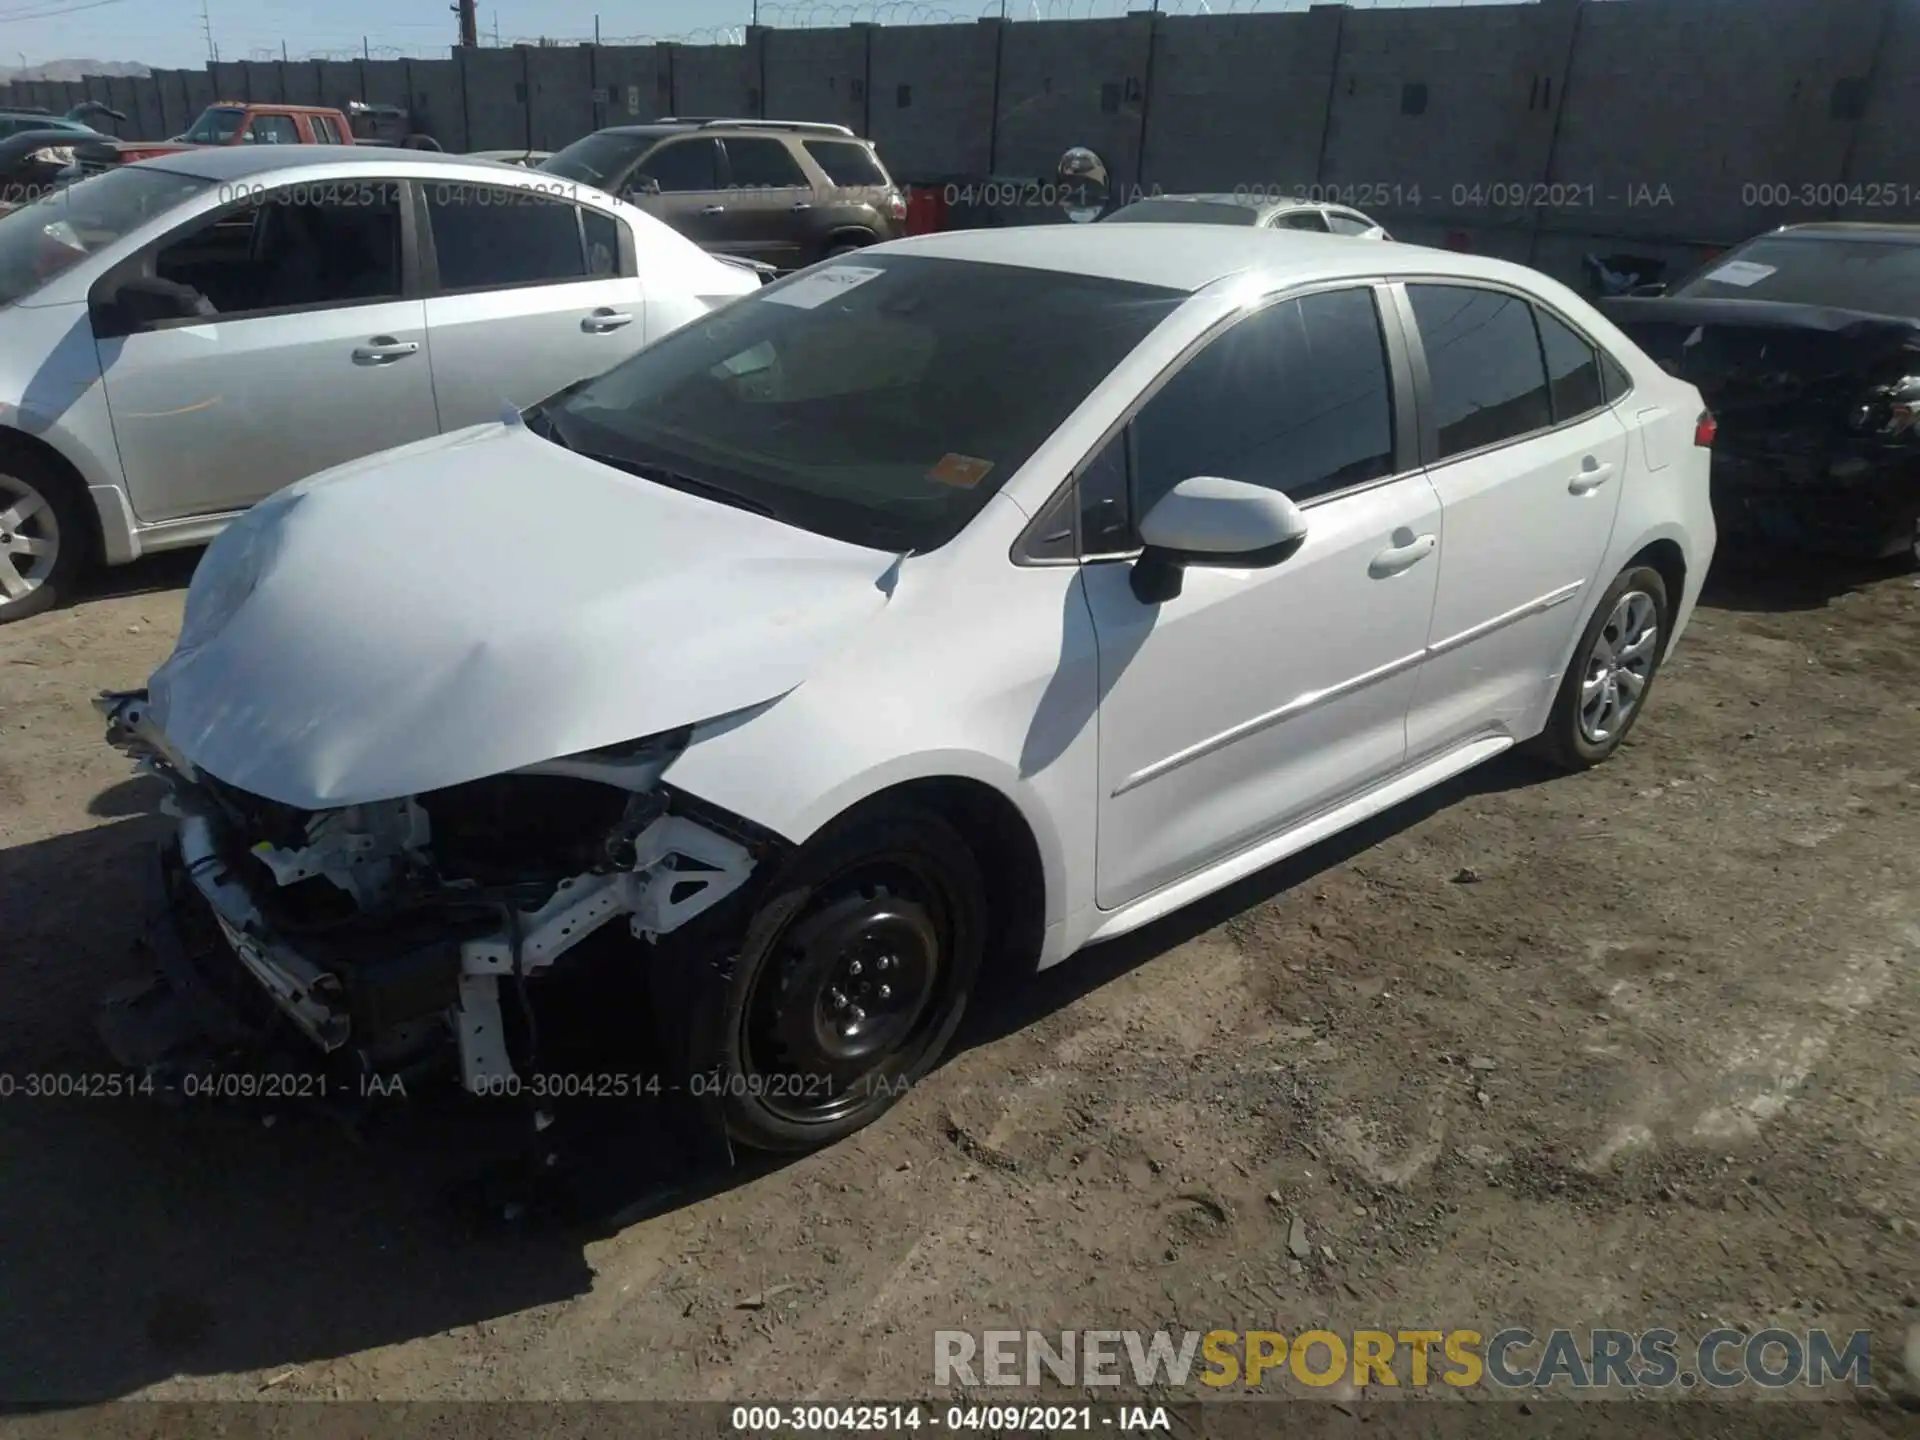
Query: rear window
x=847 y=162
x=1187 y=212
x=1875 y=276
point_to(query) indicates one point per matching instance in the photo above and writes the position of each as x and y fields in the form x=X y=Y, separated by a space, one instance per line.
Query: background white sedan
x=183 y=336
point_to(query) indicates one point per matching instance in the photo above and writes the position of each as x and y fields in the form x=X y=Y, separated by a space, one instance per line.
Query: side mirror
x=144 y=301
x=1210 y=521
x=643 y=185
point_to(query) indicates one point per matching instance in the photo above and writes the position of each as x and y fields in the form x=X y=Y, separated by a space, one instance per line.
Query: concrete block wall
x=1664 y=126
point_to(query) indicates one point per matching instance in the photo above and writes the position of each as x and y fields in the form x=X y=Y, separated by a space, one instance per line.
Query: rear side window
x=1345 y=224
x=1301 y=220
x=1296 y=397
x=1573 y=369
x=1483 y=358
x=324 y=132
x=762 y=164
x=846 y=162
x=603 y=243
x=1614 y=379
x=487 y=236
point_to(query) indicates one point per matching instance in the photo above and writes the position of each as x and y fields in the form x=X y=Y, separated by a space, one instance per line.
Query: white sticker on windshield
x=1741 y=273
x=815 y=290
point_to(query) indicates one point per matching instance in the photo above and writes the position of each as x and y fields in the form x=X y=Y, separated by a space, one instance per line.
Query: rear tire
x=852 y=979
x=44 y=536
x=1611 y=676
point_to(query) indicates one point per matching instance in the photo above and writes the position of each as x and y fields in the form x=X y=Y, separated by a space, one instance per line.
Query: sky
x=169 y=34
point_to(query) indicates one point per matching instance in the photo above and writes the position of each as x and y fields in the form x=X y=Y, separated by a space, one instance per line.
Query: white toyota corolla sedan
x=914 y=621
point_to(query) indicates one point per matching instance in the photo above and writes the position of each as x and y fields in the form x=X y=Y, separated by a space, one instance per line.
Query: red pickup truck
x=235 y=122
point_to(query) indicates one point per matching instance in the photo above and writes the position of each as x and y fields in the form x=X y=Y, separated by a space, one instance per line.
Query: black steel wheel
x=854 y=976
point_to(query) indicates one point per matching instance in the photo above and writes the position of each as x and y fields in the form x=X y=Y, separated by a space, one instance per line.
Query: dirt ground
x=1639 y=1047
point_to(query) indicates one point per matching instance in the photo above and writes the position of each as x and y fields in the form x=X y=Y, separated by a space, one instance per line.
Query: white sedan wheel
x=29 y=540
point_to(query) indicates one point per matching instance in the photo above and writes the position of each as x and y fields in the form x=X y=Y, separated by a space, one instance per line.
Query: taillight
x=1705 y=429
x=897 y=205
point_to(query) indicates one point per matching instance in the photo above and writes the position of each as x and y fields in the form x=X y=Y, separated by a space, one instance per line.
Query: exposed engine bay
x=385 y=932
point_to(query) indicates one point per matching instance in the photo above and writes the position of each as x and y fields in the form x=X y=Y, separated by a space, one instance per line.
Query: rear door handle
x=1394 y=559
x=601 y=321
x=382 y=348
x=713 y=210
x=1593 y=474
x=803 y=205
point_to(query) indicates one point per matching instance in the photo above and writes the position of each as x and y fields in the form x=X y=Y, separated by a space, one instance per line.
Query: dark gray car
x=784 y=192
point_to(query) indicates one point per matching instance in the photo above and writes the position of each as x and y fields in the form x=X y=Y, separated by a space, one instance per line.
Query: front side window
x=1346 y=223
x=1301 y=220
x=1296 y=397
x=595 y=159
x=882 y=402
x=490 y=236
x=272 y=130
x=217 y=125
x=1483 y=360
x=302 y=254
x=58 y=231
x=762 y=164
x=682 y=166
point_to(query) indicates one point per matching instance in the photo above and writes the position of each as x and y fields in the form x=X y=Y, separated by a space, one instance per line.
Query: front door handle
x=383 y=348
x=601 y=321
x=1593 y=474
x=713 y=210
x=803 y=205
x=1396 y=558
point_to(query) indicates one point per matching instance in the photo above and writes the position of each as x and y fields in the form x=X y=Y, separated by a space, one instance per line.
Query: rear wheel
x=43 y=537
x=854 y=976
x=1606 y=686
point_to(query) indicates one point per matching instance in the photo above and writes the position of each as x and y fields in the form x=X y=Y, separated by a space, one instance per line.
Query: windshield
x=216 y=126
x=879 y=402
x=1875 y=276
x=592 y=159
x=1187 y=212
x=57 y=232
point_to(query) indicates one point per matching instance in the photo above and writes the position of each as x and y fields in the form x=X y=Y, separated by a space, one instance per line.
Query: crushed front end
x=412 y=937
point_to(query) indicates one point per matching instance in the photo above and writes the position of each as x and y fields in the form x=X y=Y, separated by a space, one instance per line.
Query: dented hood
x=483 y=601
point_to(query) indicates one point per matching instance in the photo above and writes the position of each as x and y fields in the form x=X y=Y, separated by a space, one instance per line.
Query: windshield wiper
x=674 y=480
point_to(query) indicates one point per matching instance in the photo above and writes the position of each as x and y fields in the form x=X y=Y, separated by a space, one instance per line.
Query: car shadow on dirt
x=146 y=1241
x=1759 y=580
x=149 y=575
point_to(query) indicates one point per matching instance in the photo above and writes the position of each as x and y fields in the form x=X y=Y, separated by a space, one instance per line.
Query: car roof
x=1192 y=257
x=1853 y=230
x=235 y=162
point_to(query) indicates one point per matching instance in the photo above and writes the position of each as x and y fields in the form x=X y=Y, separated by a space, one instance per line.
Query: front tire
x=43 y=537
x=853 y=977
x=1611 y=676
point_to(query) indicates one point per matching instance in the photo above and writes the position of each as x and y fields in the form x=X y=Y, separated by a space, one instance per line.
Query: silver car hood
x=483 y=601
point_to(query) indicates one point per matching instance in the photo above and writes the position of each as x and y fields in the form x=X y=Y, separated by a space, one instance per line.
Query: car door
x=1257 y=697
x=313 y=353
x=527 y=292
x=768 y=200
x=1528 y=461
x=681 y=182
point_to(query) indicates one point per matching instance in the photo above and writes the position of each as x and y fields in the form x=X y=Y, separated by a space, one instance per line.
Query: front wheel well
x=1665 y=559
x=1009 y=858
x=19 y=442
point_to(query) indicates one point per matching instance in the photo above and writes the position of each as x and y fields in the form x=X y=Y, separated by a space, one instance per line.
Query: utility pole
x=469 y=15
x=206 y=28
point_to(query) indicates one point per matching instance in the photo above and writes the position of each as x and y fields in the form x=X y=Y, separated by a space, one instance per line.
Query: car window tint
x=1573 y=369
x=299 y=253
x=755 y=164
x=846 y=162
x=272 y=130
x=1301 y=220
x=603 y=242
x=683 y=165
x=1483 y=357
x=1296 y=397
x=486 y=235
